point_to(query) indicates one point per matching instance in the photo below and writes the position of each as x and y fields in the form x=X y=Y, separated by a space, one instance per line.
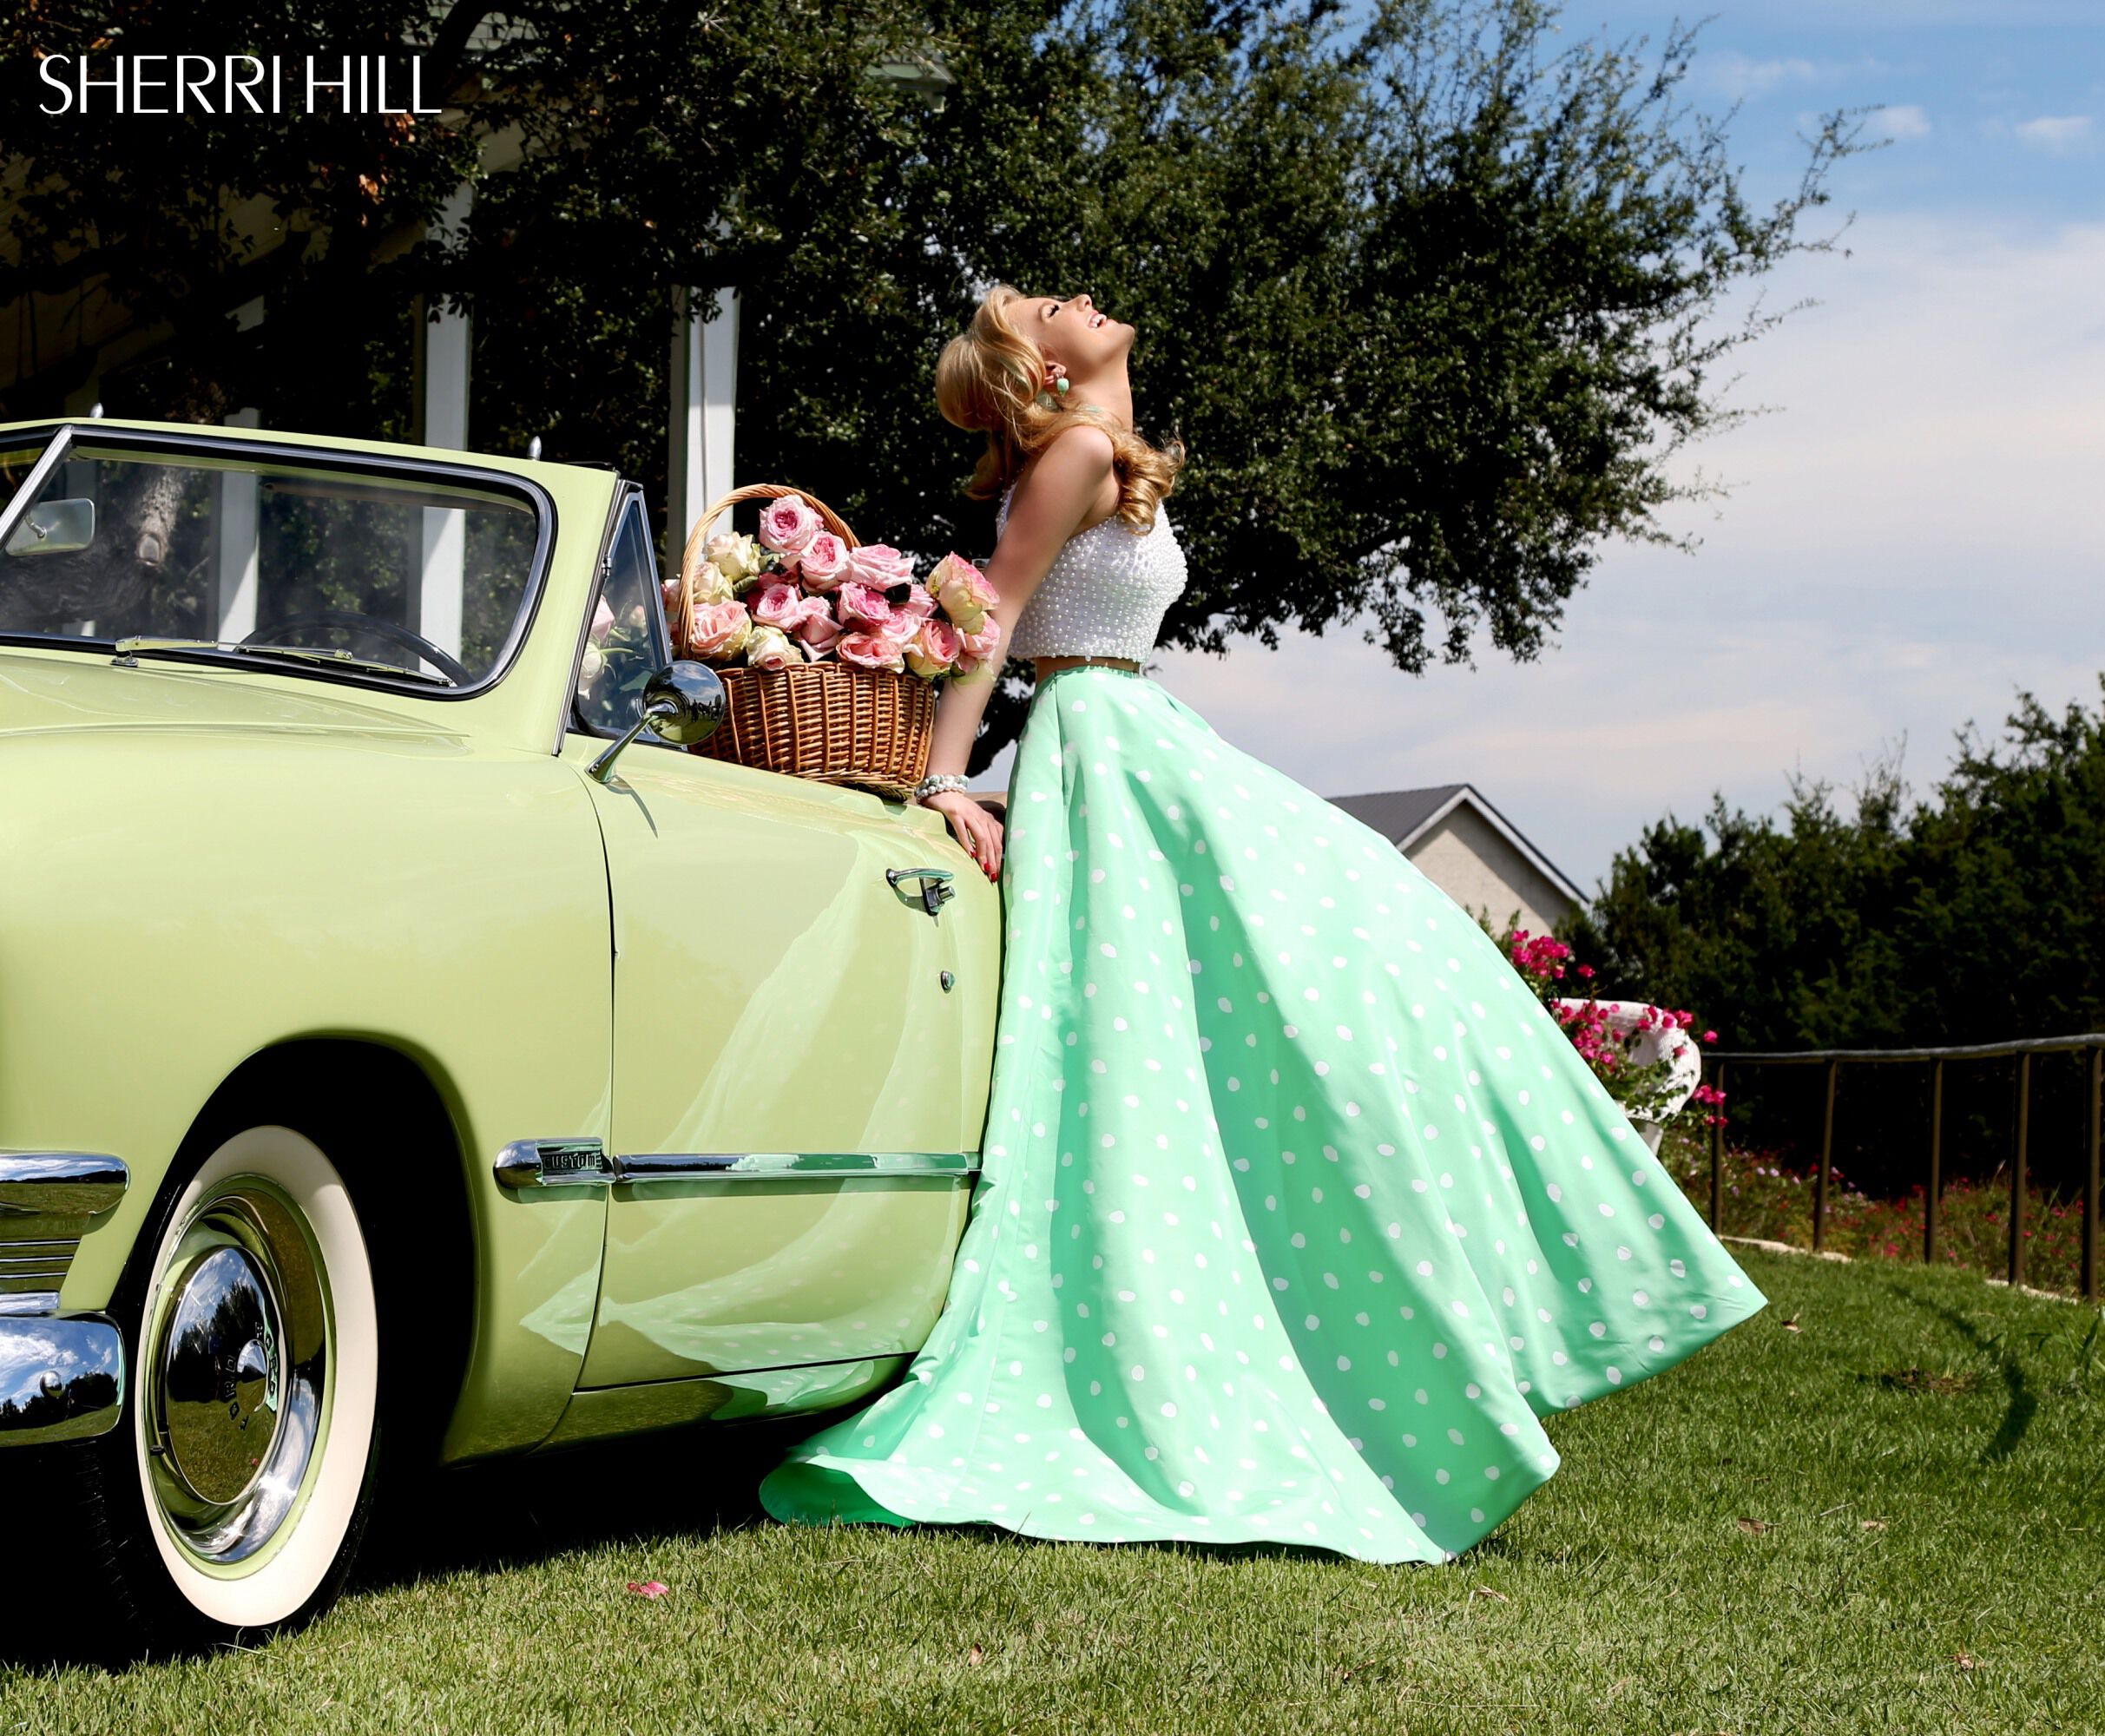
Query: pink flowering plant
x=1617 y=1049
x=797 y=593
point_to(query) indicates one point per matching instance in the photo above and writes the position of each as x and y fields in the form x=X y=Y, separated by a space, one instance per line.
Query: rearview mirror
x=682 y=702
x=55 y=527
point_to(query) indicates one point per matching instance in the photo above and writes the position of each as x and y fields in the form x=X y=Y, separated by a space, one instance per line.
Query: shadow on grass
x=505 y=1516
x=2023 y=1403
x=682 y=1484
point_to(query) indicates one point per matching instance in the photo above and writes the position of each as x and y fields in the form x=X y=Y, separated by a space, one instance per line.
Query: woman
x=1299 y=1209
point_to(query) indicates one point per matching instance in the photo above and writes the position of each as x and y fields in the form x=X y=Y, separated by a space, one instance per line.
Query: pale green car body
x=204 y=862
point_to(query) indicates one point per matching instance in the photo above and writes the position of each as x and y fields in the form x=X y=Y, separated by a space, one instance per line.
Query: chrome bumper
x=62 y=1378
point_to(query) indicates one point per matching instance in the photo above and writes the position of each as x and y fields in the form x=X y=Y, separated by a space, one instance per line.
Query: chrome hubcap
x=220 y=1377
x=236 y=1371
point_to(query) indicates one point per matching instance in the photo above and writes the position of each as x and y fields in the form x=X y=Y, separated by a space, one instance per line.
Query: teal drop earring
x=1056 y=378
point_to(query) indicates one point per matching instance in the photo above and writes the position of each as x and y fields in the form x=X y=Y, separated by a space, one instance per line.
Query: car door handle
x=936 y=886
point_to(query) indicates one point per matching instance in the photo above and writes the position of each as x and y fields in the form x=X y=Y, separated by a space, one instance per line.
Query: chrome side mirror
x=55 y=527
x=682 y=704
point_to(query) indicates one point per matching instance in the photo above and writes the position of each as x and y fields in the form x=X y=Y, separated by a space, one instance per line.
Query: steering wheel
x=450 y=667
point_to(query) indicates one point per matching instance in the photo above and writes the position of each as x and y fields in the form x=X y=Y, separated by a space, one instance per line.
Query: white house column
x=235 y=524
x=704 y=379
x=435 y=599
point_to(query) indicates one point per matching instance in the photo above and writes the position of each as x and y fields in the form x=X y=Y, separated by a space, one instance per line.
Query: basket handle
x=692 y=557
x=698 y=538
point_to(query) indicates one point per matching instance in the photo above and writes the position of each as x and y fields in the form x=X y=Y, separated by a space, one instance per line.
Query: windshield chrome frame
x=33 y=484
x=321 y=457
x=626 y=496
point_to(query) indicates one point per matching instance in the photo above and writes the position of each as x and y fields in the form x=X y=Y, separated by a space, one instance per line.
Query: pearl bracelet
x=936 y=784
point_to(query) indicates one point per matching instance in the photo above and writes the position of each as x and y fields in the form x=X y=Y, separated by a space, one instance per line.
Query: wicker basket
x=830 y=722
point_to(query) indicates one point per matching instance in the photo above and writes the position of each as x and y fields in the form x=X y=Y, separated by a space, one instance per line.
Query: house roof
x=1405 y=816
x=1401 y=814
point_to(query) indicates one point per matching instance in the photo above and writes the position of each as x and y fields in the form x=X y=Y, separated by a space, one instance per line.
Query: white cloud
x=1904 y=120
x=1738 y=75
x=1916 y=534
x=2055 y=132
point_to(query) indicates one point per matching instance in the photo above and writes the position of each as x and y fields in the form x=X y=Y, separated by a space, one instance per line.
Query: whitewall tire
x=253 y=1433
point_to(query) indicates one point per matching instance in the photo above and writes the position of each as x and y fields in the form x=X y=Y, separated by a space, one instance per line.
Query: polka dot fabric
x=1299 y=1210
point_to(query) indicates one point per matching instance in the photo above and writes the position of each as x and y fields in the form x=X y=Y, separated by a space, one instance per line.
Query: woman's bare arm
x=1049 y=506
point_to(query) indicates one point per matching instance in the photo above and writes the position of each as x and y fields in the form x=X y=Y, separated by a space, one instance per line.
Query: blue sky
x=1917 y=526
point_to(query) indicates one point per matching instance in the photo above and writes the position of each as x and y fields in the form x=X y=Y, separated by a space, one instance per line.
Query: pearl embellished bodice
x=1105 y=594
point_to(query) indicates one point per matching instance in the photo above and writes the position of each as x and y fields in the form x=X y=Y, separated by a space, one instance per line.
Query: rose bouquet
x=829 y=649
x=798 y=593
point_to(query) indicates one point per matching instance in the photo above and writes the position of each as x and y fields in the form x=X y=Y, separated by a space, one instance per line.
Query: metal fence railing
x=2092 y=1041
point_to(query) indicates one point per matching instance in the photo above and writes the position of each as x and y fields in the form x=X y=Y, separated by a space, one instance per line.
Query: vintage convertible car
x=407 y=1046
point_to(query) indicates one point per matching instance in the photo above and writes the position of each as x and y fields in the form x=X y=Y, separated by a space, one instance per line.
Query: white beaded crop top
x=1105 y=594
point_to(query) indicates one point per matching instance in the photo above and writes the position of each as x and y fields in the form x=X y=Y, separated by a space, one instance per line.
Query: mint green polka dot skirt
x=1299 y=1210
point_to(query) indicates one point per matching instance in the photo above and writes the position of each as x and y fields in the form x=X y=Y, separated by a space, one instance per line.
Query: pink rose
x=920 y=603
x=669 y=592
x=770 y=648
x=787 y=525
x=820 y=631
x=933 y=649
x=881 y=565
x=902 y=629
x=824 y=561
x=602 y=623
x=864 y=603
x=720 y=630
x=809 y=608
x=977 y=647
x=963 y=591
x=870 y=651
x=780 y=604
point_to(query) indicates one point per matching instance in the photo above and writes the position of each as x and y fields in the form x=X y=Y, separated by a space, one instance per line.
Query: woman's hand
x=977 y=829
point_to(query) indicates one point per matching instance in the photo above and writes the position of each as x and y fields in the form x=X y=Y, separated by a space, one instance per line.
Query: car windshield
x=321 y=567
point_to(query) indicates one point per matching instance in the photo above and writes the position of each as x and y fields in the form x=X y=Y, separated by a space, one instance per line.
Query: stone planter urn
x=1683 y=1056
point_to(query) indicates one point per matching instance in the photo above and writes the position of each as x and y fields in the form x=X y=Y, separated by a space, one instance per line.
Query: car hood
x=47 y=691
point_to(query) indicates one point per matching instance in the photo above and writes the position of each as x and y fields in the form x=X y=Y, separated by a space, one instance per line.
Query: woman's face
x=1071 y=331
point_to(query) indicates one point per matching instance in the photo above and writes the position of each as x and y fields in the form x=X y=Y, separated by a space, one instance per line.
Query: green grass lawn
x=1878 y=1505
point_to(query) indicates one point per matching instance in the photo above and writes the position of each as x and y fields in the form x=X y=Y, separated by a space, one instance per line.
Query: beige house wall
x=1469 y=859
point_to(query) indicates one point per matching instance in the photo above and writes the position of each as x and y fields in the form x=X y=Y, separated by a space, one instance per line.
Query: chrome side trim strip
x=777 y=1166
x=60 y=1184
x=552 y=1163
x=62 y=1378
x=555 y=1163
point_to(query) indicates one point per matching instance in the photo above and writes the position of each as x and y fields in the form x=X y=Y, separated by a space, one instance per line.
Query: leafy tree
x=1975 y=916
x=1431 y=305
x=1433 y=301
x=1782 y=934
x=2002 y=906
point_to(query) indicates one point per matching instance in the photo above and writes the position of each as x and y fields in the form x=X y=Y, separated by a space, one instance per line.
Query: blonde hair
x=991 y=376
